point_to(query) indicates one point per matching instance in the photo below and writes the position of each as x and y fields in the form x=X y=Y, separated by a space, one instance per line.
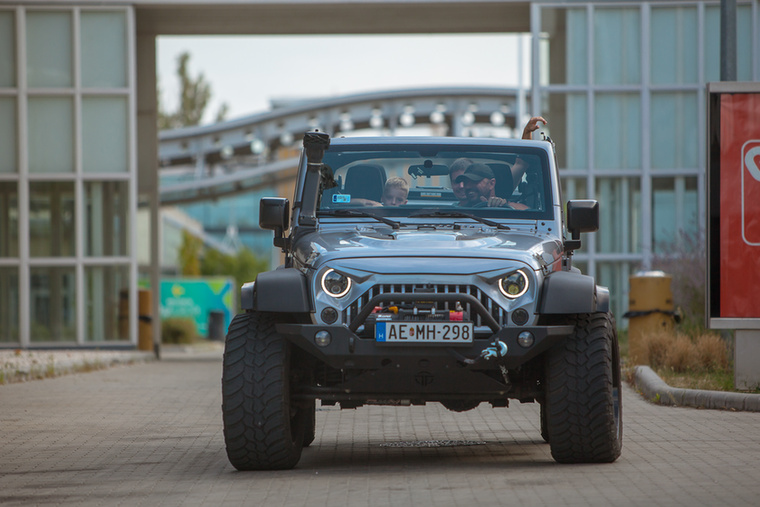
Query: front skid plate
x=346 y=350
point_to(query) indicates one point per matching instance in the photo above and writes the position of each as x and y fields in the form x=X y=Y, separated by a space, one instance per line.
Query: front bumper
x=347 y=350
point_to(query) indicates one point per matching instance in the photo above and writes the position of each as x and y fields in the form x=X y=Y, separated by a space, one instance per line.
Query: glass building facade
x=623 y=87
x=621 y=82
x=67 y=176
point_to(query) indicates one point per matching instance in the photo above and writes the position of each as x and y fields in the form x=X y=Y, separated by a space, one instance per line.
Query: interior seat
x=365 y=181
x=505 y=186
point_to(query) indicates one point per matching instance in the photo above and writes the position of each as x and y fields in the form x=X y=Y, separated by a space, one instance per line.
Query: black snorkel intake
x=314 y=143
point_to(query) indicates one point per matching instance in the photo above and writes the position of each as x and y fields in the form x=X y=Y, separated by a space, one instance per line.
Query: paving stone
x=151 y=434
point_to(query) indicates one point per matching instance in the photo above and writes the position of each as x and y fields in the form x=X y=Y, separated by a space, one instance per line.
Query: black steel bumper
x=347 y=350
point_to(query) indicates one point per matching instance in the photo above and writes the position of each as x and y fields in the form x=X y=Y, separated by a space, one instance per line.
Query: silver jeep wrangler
x=458 y=295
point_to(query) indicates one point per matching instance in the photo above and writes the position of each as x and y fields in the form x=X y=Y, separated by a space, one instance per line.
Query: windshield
x=425 y=180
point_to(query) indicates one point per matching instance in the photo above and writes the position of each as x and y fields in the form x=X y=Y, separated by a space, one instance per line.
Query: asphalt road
x=151 y=434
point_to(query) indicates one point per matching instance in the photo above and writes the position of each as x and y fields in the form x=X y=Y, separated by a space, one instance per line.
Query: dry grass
x=690 y=362
x=681 y=353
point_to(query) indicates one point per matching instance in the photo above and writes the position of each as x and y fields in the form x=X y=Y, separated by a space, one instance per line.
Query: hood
x=316 y=248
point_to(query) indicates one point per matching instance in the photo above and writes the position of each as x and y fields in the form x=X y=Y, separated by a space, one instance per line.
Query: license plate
x=424 y=332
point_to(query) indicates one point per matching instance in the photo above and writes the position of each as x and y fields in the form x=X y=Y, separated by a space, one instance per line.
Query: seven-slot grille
x=498 y=313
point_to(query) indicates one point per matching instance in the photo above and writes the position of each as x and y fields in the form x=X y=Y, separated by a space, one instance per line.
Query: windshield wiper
x=460 y=214
x=361 y=214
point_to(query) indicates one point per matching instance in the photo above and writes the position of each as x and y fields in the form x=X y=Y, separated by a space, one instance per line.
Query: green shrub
x=178 y=330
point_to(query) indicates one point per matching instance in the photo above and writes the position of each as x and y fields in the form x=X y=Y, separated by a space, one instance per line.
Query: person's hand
x=532 y=126
x=496 y=202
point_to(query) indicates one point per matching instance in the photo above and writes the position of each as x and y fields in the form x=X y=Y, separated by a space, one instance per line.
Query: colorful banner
x=740 y=205
x=197 y=298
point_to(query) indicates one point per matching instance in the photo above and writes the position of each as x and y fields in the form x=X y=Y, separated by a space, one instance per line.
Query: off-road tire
x=263 y=429
x=583 y=393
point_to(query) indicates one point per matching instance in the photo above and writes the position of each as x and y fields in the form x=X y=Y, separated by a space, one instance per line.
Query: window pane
x=53 y=304
x=674 y=112
x=712 y=43
x=8 y=219
x=673 y=38
x=619 y=215
x=106 y=311
x=48 y=45
x=675 y=211
x=106 y=218
x=615 y=276
x=104 y=49
x=617 y=46
x=51 y=217
x=566 y=59
x=617 y=131
x=743 y=43
x=8 y=135
x=7 y=50
x=9 y=305
x=573 y=188
x=51 y=135
x=104 y=134
x=568 y=127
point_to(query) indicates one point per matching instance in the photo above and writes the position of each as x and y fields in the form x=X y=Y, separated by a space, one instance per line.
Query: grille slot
x=498 y=313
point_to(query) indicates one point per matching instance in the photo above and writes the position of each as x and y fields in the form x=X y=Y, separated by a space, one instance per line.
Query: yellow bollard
x=144 y=325
x=650 y=309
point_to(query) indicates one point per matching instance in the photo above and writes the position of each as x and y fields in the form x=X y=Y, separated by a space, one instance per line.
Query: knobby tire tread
x=256 y=409
x=582 y=376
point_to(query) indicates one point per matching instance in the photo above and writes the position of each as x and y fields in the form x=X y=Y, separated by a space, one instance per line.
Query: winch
x=416 y=312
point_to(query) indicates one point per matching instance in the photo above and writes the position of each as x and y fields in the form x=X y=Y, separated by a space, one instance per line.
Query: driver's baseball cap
x=476 y=172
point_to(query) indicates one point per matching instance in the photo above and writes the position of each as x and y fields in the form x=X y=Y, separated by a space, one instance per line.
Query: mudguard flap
x=281 y=290
x=567 y=292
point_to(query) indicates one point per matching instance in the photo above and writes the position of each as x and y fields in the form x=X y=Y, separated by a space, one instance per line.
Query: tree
x=195 y=93
x=189 y=255
x=243 y=266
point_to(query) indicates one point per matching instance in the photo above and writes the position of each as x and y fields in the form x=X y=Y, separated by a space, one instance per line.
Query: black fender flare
x=282 y=290
x=569 y=292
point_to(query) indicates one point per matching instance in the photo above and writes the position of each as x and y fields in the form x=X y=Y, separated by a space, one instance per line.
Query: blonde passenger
x=395 y=192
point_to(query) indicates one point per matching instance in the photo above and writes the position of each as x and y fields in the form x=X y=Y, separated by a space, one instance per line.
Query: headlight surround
x=335 y=284
x=515 y=284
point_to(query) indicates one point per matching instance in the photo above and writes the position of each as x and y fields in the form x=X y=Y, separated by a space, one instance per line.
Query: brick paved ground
x=151 y=434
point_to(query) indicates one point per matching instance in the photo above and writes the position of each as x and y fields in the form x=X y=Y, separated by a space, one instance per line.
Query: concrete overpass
x=261 y=150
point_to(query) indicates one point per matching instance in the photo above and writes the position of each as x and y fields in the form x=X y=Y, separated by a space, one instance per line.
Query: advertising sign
x=734 y=205
x=198 y=298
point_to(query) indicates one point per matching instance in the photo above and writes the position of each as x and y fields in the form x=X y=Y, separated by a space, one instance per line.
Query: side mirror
x=274 y=214
x=582 y=216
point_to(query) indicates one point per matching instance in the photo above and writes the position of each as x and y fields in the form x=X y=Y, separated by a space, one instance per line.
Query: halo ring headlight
x=335 y=284
x=515 y=284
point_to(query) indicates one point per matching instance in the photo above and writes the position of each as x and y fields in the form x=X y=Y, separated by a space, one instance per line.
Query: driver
x=480 y=189
x=479 y=185
x=459 y=166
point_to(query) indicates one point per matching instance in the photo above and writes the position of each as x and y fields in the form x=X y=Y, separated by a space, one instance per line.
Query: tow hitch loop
x=497 y=350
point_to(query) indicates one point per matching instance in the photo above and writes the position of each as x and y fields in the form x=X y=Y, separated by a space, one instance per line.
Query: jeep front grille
x=498 y=313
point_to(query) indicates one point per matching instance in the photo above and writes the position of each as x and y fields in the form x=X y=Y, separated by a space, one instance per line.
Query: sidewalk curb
x=34 y=365
x=656 y=390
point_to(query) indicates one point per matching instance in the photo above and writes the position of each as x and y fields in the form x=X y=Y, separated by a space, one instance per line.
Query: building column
x=147 y=162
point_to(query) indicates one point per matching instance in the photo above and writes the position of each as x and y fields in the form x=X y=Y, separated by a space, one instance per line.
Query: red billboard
x=733 y=225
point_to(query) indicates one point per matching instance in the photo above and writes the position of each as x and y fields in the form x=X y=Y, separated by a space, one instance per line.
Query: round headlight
x=514 y=284
x=335 y=284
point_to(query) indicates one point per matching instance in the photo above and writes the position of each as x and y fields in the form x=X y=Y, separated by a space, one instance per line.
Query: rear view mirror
x=427 y=169
x=274 y=214
x=582 y=216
